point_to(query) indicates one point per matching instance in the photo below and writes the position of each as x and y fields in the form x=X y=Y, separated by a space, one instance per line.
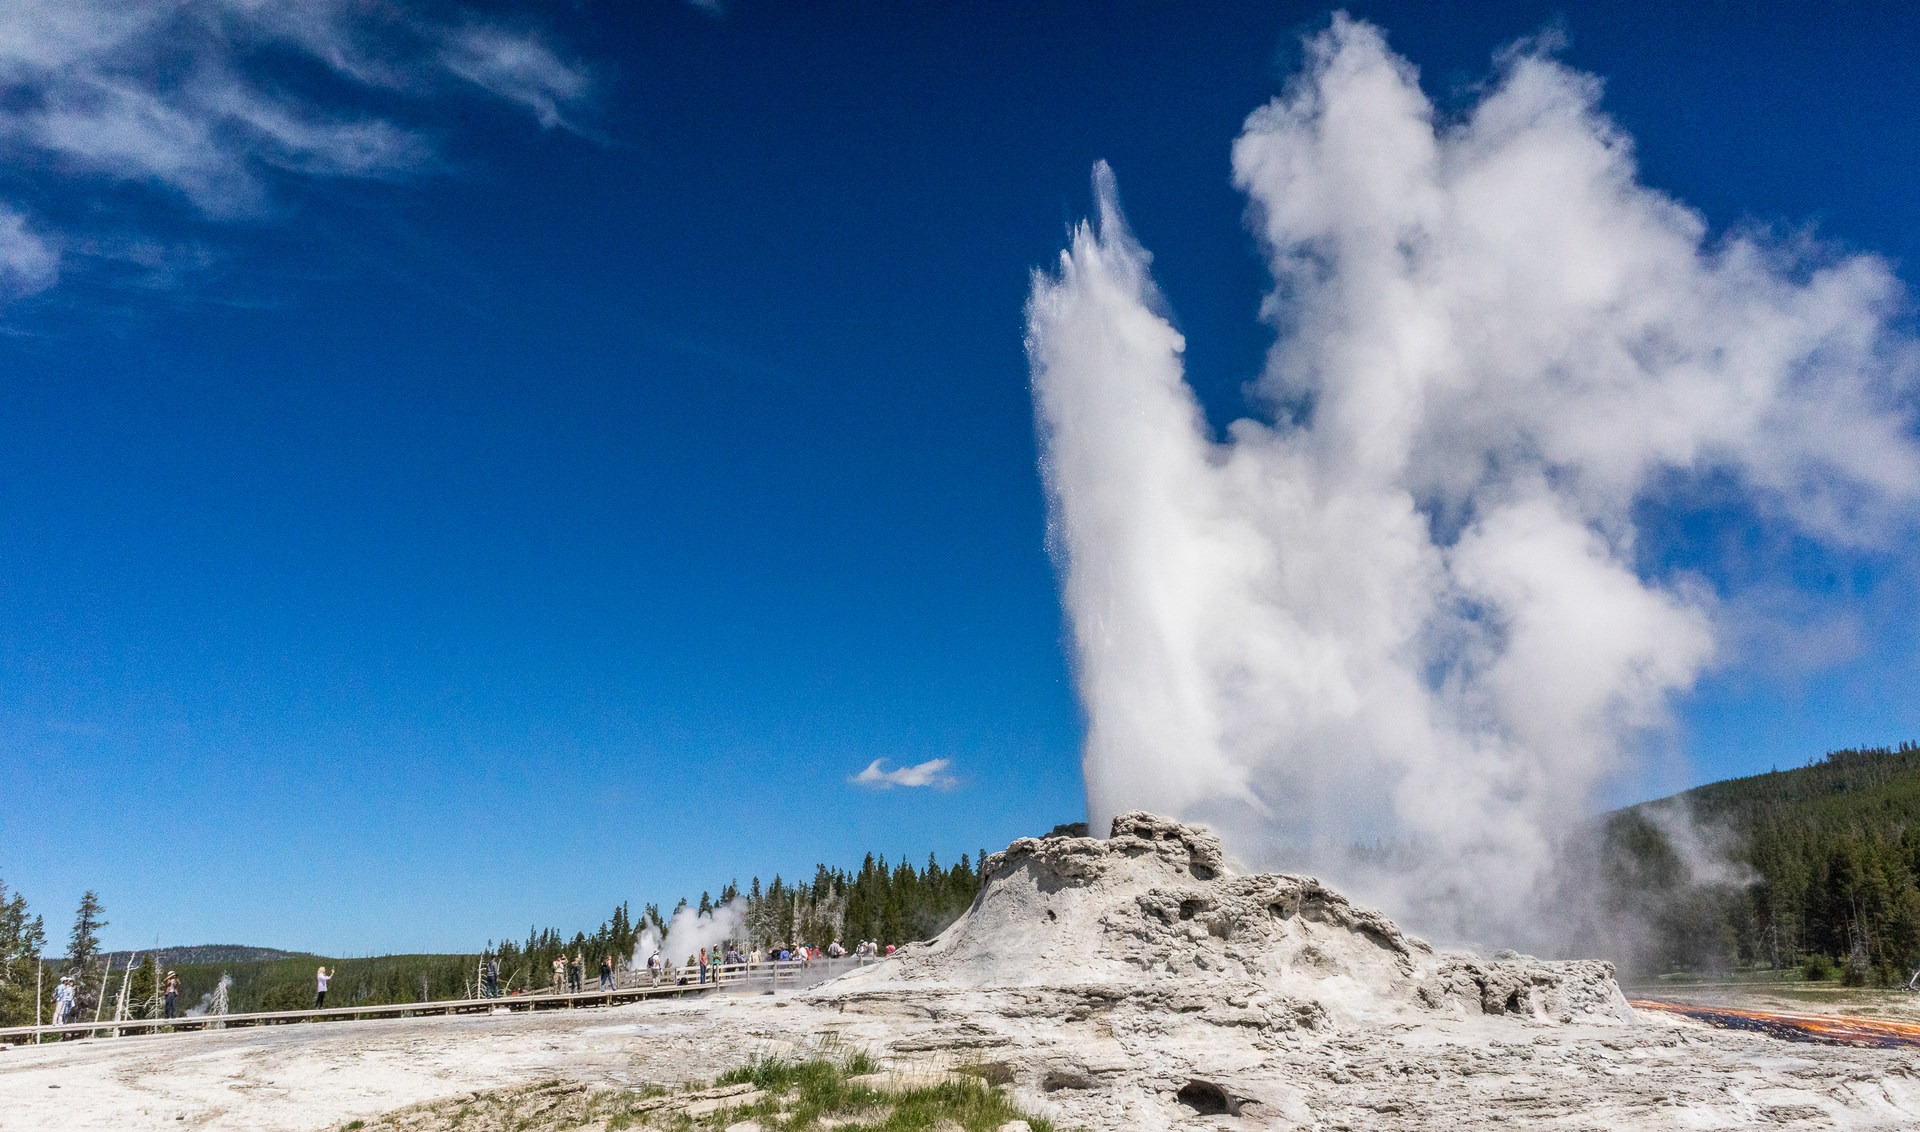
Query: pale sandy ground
x=320 y=1075
x=1094 y=1072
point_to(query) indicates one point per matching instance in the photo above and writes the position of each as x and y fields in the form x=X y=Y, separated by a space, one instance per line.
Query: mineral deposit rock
x=1152 y=919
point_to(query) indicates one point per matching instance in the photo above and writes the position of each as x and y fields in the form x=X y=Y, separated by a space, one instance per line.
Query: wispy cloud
x=932 y=773
x=515 y=67
x=27 y=263
x=207 y=100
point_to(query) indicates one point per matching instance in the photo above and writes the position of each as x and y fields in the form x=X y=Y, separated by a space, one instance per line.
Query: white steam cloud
x=1406 y=609
x=214 y=1001
x=690 y=930
x=643 y=947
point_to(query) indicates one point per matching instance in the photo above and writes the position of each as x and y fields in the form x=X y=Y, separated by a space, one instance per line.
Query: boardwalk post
x=106 y=976
x=120 y=1006
x=39 y=972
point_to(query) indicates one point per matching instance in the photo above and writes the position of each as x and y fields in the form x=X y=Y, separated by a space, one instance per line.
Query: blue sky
x=464 y=467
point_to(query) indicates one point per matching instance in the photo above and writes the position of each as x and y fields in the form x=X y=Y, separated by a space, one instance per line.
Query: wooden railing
x=674 y=982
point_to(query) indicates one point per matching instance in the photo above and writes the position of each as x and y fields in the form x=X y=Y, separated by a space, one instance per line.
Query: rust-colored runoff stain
x=1840 y=1030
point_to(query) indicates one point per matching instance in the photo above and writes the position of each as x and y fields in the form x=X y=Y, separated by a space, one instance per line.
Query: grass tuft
x=803 y=1095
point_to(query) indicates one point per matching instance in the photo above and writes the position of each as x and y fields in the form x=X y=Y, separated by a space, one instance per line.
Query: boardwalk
x=744 y=977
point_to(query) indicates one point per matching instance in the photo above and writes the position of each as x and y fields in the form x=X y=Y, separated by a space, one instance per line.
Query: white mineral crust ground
x=1105 y=979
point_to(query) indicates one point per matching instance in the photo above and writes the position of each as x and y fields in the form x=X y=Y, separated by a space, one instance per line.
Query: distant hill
x=210 y=953
x=1872 y=788
x=1819 y=868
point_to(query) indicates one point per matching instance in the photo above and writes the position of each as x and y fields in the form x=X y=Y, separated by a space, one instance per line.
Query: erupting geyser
x=1406 y=608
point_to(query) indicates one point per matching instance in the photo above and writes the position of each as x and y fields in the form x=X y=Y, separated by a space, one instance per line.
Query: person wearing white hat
x=63 y=1001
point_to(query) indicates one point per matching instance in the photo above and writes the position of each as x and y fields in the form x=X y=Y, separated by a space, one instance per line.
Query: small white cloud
x=933 y=773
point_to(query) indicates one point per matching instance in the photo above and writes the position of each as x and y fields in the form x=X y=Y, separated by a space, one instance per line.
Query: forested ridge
x=1819 y=869
x=886 y=902
x=881 y=902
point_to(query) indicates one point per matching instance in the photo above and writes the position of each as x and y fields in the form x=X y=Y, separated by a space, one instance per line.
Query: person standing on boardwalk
x=173 y=994
x=63 y=1001
x=606 y=972
x=577 y=973
x=320 y=987
x=559 y=974
x=493 y=977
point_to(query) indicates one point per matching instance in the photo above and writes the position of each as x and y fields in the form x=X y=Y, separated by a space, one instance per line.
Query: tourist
x=493 y=977
x=655 y=966
x=703 y=965
x=559 y=974
x=606 y=972
x=320 y=987
x=835 y=951
x=173 y=995
x=577 y=975
x=63 y=1000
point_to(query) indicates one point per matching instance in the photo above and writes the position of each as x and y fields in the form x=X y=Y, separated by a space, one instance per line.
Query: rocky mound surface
x=1152 y=916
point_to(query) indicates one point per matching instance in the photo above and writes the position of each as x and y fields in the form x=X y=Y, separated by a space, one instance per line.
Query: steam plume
x=215 y=1000
x=690 y=930
x=644 y=946
x=1405 y=607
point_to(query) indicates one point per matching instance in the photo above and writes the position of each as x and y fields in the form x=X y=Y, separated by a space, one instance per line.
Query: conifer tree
x=83 y=948
x=143 y=986
x=22 y=938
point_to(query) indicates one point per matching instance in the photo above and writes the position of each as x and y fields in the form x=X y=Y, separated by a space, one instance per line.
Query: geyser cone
x=1152 y=917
